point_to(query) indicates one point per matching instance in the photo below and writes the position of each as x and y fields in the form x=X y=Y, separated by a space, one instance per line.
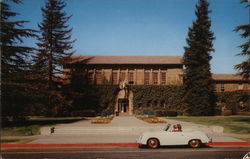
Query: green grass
x=33 y=124
x=231 y=124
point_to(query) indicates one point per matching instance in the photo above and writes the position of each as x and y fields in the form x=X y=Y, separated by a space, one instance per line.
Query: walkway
x=122 y=129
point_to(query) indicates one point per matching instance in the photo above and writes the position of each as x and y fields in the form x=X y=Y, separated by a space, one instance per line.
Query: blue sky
x=144 y=27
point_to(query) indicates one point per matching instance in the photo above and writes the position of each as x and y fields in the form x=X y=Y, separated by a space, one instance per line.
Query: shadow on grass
x=40 y=122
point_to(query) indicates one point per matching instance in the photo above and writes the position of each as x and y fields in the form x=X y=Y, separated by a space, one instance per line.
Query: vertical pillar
x=94 y=74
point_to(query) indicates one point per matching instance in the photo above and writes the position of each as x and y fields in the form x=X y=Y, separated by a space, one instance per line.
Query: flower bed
x=105 y=120
x=151 y=119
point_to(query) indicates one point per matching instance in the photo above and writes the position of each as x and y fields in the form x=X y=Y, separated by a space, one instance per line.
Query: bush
x=83 y=113
x=171 y=113
x=237 y=101
x=160 y=113
x=147 y=111
x=155 y=96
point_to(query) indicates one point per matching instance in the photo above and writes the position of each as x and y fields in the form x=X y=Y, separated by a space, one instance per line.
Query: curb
x=108 y=145
x=228 y=144
x=69 y=145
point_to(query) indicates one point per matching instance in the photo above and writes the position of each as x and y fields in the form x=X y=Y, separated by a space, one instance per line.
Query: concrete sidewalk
x=122 y=129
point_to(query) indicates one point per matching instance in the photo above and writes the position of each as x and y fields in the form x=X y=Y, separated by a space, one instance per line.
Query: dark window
x=155 y=78
x=146 y=78
x=114 y=78
x=98 y=77
x=163 y=78
x=123 y=75
x=90 y=77
x=222 y=88
x=131 y=78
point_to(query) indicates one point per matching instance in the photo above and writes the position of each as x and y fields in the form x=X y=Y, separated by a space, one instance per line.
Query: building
x=134 y=70
x=142 y=70
x=129 y=70
x=230 y=82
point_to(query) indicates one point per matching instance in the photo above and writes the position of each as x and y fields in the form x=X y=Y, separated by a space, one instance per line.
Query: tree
x=198 y=85
x=54 y=42
x=54 y=45
x=15 y=63
x=244 y=66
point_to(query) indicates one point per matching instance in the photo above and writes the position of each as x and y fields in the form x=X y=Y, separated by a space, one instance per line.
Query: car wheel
x=153 y=143
x=194 y=143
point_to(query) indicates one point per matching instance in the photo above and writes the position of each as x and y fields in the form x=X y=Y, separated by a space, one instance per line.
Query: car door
x=173 y=138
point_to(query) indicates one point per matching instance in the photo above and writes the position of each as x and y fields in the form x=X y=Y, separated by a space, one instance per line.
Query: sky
x=144 y=27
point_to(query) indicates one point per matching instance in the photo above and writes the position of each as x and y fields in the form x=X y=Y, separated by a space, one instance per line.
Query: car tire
x=194 y=143
x=153 y=143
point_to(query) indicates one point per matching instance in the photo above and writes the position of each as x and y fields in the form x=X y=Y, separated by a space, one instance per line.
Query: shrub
x=171 y=113
x=84 y=113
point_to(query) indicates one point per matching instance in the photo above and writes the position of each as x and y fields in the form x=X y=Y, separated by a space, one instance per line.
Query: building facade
x=230 y=82
x=128 y=70
x=133 y=70
x=142 y=70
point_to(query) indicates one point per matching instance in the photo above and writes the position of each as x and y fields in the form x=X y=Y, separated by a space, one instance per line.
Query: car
x=169 y=137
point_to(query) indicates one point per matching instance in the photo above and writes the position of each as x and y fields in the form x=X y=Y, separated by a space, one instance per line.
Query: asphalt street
x=127 y=153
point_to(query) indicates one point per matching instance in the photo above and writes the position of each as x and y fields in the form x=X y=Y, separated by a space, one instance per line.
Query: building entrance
x=123 y=105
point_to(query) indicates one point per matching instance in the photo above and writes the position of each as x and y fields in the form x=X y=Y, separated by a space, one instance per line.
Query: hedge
x=236 y=101
x=158 y=96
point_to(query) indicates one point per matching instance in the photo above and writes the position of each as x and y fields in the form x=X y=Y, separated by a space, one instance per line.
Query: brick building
x=142 y=70
x=135 y=70
x=230 y=82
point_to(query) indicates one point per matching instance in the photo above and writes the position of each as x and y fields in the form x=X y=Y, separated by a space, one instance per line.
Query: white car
x=166 y=137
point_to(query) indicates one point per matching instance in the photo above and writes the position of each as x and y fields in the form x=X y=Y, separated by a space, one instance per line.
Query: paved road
x=127 y=153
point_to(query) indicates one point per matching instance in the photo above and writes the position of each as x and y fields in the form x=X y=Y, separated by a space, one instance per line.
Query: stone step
x=120 y=130
x=98 y=130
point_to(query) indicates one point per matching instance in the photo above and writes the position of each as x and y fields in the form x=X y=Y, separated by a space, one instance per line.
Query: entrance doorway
x=123 y=105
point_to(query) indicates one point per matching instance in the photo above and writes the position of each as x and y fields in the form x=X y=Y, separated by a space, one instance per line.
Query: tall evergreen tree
x=244 y=66
x=199 y=97
x=14 y=63
x=54 y=45
x=55 y=41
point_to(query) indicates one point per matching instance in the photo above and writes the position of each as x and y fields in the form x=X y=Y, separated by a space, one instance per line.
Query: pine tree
x=244 y=66
x=15 y=63
x=54 y=46
x=55 y=41
x=199 y=97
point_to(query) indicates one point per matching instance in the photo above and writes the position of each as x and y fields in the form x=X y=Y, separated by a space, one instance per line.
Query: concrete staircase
x=123 y=124
x=99 y=130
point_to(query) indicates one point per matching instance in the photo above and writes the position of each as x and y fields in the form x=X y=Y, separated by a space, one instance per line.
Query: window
x=131 y=78
x=155 y=78
x=90 y=77
x=222 y=88
x=114 y=78
x=163 y=78
x=240 y=86
x=146 y=78
x=123 y=75
x=98 y=76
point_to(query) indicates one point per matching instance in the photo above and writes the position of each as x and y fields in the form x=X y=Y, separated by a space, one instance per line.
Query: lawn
x=33 y=124
x=231 y=124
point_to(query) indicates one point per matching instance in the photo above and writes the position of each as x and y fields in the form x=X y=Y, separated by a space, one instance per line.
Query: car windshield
x=167 y=127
